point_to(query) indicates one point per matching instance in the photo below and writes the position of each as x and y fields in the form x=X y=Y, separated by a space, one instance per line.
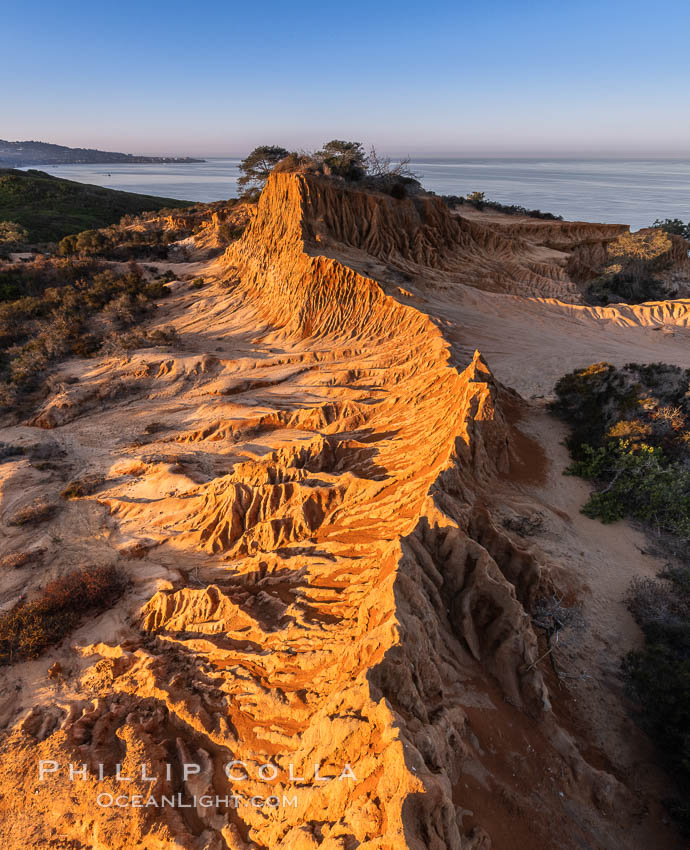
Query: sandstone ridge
x=318 y=571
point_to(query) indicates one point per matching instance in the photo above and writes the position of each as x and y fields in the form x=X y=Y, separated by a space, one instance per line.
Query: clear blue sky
x=493 y=77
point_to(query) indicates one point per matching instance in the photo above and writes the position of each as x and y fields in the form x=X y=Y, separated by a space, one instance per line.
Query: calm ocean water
x=633 y=192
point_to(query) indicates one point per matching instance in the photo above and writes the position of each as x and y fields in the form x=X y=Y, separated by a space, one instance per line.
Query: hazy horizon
x=394 y=153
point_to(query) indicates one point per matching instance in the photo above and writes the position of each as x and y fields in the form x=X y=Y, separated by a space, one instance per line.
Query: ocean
x=627 y=191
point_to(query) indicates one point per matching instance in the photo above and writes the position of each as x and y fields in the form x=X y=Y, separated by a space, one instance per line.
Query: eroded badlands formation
x=308 y=497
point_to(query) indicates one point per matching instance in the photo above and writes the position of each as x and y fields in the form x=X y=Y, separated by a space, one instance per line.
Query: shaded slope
x=50 y=207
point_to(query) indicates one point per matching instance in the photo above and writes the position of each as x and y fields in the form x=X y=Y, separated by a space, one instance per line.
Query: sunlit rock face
x=326 y=641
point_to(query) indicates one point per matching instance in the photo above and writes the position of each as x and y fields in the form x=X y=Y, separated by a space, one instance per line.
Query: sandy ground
x=594 y=564
x=529 y=344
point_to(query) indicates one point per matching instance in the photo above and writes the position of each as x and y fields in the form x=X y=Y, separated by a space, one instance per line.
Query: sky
x=492 y=78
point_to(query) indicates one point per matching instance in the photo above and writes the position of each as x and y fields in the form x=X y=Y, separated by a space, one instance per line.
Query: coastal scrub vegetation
x=56 y=308
x=154 y=236
x=631 y=438
x=346 y=160
x=479 y=201
x=673 y=226
x=12 y=235
x=32 y=626
x=48 y=208
x=633 y=268
x=349 y=161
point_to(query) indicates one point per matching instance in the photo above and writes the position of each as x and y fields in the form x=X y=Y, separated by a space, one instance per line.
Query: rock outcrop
x=319 y=584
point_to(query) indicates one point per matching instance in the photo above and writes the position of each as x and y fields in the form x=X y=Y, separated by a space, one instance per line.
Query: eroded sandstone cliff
x=318 y=576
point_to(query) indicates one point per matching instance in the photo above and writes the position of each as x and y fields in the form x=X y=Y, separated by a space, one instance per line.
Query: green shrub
x=167 y=277
x=134 y=338
x=640 y=483
x=163 y=336
x=345 y=159
x=648 y=403
x=626 y=288
x=591 y=400
x=146 y=237
x=157 y=289
x=631 y=437
x=674 y=226
x=19 y=280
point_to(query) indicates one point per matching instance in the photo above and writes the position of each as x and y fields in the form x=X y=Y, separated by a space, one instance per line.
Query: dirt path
x=593 y=564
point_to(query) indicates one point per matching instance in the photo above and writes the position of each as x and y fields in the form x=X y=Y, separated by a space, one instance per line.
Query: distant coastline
x=29 y=153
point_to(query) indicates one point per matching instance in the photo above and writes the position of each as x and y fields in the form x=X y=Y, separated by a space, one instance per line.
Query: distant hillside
x=50 y=207
x=43 y=153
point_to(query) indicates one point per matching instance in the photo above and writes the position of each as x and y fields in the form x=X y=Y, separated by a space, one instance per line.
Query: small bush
x=344 y=159
x=640 y=483
x=82 y=487
x=129 y=340
x=590 y=401
x=125 y=310
x=157 y=289
x=86 y=345
x=615 y=287
x=155 y=428
x=46 y=451
x=31 y=627
x=15 y=560
x=164 y=336
x=33 y=513
x=644 y=403
x=12 y=234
